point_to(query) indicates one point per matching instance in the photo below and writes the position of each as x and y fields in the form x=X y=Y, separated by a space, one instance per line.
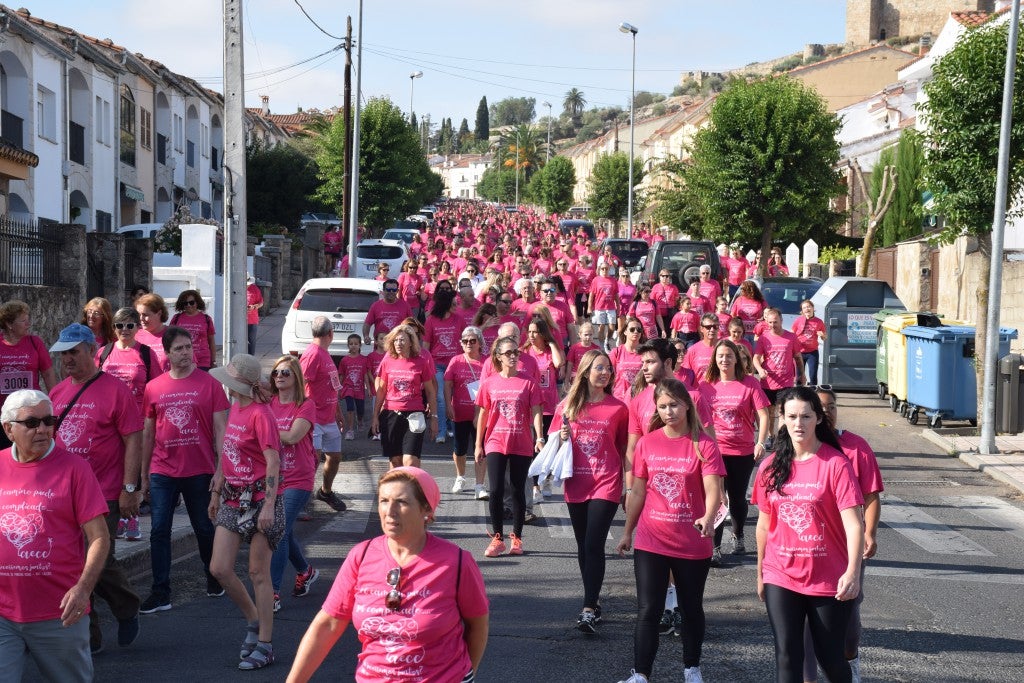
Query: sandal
x=260 y=657
x=251 y=630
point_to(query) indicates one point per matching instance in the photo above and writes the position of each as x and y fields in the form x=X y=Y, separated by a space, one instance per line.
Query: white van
x=372 y=253
x=140 y=229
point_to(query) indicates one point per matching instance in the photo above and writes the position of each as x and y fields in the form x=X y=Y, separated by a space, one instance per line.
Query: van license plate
x=344 y=327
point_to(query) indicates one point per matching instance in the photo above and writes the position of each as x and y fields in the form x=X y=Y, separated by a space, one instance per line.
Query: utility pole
x=234 y=335
x=347 y=122
x=353 y=216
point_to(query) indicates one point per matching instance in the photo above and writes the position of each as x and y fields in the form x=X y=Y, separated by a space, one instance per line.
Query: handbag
x=417 y=422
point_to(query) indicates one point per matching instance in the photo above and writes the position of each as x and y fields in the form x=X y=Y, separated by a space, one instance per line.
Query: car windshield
x=337 y=300
x=378 y=252
x=787 y=296
x=674 y=256
x=629 y=252
x=403 y=235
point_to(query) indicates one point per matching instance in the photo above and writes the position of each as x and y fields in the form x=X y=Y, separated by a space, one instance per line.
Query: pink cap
x=427 y=483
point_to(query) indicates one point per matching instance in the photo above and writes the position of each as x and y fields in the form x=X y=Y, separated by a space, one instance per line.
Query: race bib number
x=14 y=380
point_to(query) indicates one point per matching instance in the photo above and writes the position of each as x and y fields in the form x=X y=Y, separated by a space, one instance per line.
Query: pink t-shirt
x=461 y=372
x=352 y=372
x=383 y=316
x=43 y=505
x=322 y=382
x=723 y=324
x=560 y=313
x=806 y=331
x=250 y=431
x=509 y=403
x=21 y=364
x=526 y=366
x=404 y=379
x=598 y=437
x=747 y=310
x=863 y=461
x=298 y=460
x=200 y=328
x=548 y=377
x=698 y=357
x=375 y=358
x=443 y=337
x=700 y=305
x=424 y=639
x=686 y=322
x=642 y=408
x=737 y=271
x=585 y=276
x=96 y=425
x=156 y=345
x=182 y=411
x=409 y=289
x=627 y=366
x=805 y=550
x=577 y=351
x=127 y=365
x=734 y=407
x=779 y=362
x=626 y=294
x=710 y=289
x=674 y=471
x=665 y=297
x=605 y=291
x=253 y=296
x=647 y=313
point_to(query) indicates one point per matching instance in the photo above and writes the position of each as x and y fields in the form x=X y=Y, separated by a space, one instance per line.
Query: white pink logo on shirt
x=507 y=410
x=446 y=339
x=589 y=444
x=179 y=416
x=71 y=431
x=395 y=637
x=667 y=486
x=20 y=530
x=402 y=386
x=230 y=451
x=796 y=515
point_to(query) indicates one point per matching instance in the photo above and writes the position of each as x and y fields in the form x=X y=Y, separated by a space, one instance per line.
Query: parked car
x=402 y=234
x=570 y=226
x=682 y=258
x=786 y=294
x=140 y=230
x=630 y=252
x=325 y=218
x=344 y=300
x=372 y=253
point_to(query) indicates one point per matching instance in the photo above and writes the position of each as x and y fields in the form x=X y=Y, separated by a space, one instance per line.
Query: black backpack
x=144 y=351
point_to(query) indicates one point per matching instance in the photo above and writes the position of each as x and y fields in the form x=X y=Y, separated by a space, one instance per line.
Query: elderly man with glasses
x=49 y=497
x=387 y=312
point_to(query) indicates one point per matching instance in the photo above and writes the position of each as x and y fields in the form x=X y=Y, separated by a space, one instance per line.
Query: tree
x=642 y=99
x=497 y=184
x=574 y=103
x=513 y=111
x=903 y=220
x=394 y=179
x=877 y=204
x=463 y=138
x=523 y=145
x=961 y=142
x=278 y=183
x=483 y=120
x=552 y=187
x=765 y=166
x=672 y=205
x=608 y=195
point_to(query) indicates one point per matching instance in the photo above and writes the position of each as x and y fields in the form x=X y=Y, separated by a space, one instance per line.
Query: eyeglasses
x=191 y=302
x=125 y=326
x=709 y=327
x=283 y=372
x=34 y=422
x=664 y=275
x=383 y=270
x=505 y=301
x=393 y=599
x=513 y=353
x=634 y=329
x=548 y=291
x=469 y=341
x=391 y=290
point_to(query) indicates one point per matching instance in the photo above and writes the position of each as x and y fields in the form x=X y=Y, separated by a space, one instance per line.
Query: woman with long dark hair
x=441 y=339
x=810 y=538
x=191 y=315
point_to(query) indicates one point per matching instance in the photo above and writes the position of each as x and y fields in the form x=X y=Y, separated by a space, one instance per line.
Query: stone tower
x=871 y=20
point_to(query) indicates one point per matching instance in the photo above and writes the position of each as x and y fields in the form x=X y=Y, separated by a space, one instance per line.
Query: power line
x=312 y=21
x=273 y=70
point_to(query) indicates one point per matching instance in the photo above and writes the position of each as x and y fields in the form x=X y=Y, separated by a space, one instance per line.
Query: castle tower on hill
x=871 y=20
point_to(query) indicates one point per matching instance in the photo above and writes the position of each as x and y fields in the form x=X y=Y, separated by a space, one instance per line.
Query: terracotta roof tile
x=18 y=155
x=971 y=18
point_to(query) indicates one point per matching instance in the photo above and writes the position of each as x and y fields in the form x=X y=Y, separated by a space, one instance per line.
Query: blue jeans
x=811 y=367
x=163 y=493
x=62 y=654
x=288 y=549
x=251 y=338
x=443 y=425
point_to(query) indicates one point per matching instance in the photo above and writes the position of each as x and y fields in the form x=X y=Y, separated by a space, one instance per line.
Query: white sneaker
x=692 y=675
x=350 y=435
x=545 y=488
x=439 y=439
x=634 y=677
x=538 y=496
x=481 y=493
x=460 y=483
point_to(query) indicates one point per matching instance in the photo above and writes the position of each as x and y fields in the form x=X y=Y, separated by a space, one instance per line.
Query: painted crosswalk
x=926 y=531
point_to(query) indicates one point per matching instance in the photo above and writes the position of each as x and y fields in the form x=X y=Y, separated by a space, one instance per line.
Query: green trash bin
x=882 y=350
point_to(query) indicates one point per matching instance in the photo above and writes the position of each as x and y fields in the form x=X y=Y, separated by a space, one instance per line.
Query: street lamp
x=547 y=157
x=412 y=82
x=517 y=167
x=629 y=28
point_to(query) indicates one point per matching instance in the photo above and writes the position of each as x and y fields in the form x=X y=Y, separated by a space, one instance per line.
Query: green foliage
x=836 y=253
x=483 y=121
x=394 y=179
x=167 y=240
x=961 y=141
x=574 y=103
x=608 y=194
x=552 y=187
x=642 y=99
x=764 y=167
x=513 y=111
x=788 y=63
x=903 y=219
x=530 y=141
x=498 y=184
x=672 y=204
x=278 y=184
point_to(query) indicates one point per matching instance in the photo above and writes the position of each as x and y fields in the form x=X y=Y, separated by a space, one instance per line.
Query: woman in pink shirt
x=191 y=315
x=810 y=539
x=748 y=306
x=627 y=290
x=626 y=359
x=686 y=323
x=417 y=602
x=808 y=329
x=676 y=492
x=595 y=423
x=461 y=385
x=666 y=297
x=410 y=286
x=24 y=358
x=646 y=310
x=404 y=377
x=153 y=317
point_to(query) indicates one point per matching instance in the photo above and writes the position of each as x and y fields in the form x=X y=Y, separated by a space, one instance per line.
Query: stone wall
x=865 y=19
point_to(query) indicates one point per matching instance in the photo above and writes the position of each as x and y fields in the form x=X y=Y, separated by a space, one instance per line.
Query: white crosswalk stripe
x=1004 y=516
x=926 y=531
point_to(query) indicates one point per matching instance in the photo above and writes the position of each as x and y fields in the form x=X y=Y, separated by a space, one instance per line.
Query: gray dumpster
x=1009 y=399
x=848 y=306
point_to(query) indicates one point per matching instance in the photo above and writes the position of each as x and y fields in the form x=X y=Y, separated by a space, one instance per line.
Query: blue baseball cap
x=71 y=336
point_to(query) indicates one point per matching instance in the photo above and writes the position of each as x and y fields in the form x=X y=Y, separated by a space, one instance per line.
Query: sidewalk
x=1006 y=466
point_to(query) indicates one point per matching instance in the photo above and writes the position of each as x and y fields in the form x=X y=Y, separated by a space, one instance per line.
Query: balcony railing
x=190 y=154
x=12 y=129
x=76 y=142
x=161 y=148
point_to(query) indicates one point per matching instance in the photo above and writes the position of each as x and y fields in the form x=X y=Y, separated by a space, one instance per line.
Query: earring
x=426 y=519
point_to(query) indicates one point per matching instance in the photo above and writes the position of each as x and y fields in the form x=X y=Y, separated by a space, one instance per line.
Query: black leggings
x=591 y=521
x=827 y=619
x=518 y=466
x=652 y=573
x=737 y=477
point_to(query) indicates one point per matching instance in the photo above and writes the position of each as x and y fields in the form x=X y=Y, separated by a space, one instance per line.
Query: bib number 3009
x=14 y=381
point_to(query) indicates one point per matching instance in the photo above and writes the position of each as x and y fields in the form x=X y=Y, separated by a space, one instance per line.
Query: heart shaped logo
x=19 y=529
x=179 y=416
x=71 y=431
x=507 y=409
x=230 y=451
x=667 y=486
x=401 y=386
x=445 y=340
x=588 y=443
x=797 y=517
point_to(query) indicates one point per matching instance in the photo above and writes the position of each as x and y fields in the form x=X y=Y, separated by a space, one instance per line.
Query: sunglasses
x=665 y=275
x=709 y=327
x=633 y=329
x=393 y=599
x=283 y=372
x=469 y=341
x=824 y=387
x=391 y=290
x=34 y=422
x=505 y=301
x=190 y=302
x=509 y=354
x=125 y=326
x=548 y=291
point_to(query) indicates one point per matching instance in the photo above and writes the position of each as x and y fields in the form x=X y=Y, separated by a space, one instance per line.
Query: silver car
x=345 y=301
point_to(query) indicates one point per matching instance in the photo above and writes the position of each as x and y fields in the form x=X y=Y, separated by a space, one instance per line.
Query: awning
x=131 y=192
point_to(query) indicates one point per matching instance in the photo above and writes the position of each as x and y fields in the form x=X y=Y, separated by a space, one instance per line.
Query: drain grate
x=948 y=483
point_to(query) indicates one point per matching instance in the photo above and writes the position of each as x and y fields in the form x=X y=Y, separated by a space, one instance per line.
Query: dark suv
x=629 y=250
x=682 y=258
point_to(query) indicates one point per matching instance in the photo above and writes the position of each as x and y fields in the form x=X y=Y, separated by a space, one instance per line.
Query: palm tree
x=574 y=103
x=530 y=143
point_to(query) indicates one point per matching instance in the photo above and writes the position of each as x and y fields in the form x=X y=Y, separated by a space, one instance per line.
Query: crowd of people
x=499 y=334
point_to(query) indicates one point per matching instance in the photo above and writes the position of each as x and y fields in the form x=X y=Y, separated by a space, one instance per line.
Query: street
x=943 y=596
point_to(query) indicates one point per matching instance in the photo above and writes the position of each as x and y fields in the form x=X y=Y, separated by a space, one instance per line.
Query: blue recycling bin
x=940 y=378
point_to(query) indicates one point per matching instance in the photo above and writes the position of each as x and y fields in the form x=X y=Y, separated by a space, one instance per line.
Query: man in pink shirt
x=100 y=422
x=323 y=385
x=777 y=360
x=737 y=270
x=387 y=312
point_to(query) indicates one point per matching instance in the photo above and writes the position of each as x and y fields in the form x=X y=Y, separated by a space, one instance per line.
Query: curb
x=136 y=561
x=995 y=470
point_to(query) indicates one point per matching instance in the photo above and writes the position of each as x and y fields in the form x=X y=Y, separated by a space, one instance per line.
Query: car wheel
x=691 y=271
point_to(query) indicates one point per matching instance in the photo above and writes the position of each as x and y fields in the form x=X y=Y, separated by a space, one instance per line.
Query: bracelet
x=217 y=491
x=541 y=439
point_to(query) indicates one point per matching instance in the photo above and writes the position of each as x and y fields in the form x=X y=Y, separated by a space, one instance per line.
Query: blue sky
x=465 y=48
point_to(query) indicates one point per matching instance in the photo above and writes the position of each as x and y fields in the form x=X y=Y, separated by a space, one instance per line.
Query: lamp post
x=412 y=82
x=629 y=28
x=547 y=156
x=517 y=168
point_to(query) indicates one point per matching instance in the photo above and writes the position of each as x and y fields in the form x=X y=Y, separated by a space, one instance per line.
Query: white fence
x=793 y=257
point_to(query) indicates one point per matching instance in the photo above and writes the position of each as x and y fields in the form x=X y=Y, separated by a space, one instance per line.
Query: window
x=103 y=221
x=127 y=126
x=145 y=128
x=103 y=124
x=179 y=133
x=46 y=114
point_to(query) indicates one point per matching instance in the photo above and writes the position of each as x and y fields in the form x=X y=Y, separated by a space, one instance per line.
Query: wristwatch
x=130 y=488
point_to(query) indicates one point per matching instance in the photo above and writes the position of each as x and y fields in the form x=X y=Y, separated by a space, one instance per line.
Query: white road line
x=926 y=531
x=919 y=573
x=1001 y=514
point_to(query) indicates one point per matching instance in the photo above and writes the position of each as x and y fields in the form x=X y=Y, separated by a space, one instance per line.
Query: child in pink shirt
x=356 y=376
x=686 y=323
